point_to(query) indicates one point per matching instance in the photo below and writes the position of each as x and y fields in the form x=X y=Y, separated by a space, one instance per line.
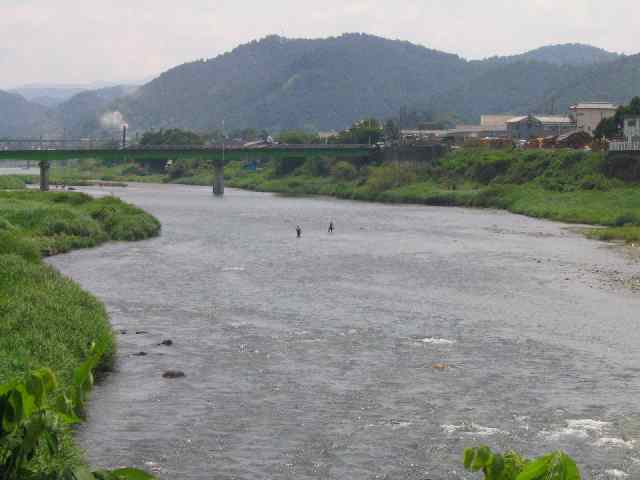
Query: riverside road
x=378 y=351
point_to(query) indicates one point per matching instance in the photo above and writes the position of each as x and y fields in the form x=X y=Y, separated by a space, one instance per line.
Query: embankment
x=47 y=320
x=564 y=185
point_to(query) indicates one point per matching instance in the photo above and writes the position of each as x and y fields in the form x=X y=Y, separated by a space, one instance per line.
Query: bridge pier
x=218 y=178
x=44 y=175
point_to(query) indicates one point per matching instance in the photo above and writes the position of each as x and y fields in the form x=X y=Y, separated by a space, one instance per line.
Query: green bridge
x=218 y=155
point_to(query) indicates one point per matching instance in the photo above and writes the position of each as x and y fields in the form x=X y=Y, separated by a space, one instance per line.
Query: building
x=535 y=126
x=495 y=120
x=631 y=136
x=457 y=135
x=632 y=128
x=588 y=115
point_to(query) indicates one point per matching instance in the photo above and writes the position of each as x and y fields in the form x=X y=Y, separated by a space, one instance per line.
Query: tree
x=391 y=131
x=367 y=131
x=173 y=136
x=297 y=137
x=612 y=127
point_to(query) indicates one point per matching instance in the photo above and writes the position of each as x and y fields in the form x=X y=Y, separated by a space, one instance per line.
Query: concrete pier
x=218 y=179
x=44 y=175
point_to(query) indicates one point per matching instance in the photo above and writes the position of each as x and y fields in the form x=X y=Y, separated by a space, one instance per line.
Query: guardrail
x=54 y=145
x=624 y=147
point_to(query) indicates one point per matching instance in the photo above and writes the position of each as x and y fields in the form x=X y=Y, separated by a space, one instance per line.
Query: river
x=379 y=351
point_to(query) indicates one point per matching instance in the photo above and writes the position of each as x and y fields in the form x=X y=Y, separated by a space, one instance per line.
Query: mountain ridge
x=279 y=83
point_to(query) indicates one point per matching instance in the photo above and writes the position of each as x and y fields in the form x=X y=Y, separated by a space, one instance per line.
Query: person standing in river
x=298 y=231
x=331 y=226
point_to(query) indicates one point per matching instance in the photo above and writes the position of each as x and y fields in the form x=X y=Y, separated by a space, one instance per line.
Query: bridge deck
x=176 y=152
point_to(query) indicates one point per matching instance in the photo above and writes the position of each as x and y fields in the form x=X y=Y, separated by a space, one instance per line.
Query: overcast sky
x=81 y=41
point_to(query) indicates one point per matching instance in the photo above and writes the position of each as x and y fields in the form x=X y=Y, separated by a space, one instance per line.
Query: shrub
x=595 y=181
x=623 y=166
x=344 y=171
x=627 y=218
x=511 y=466
x=286 y=165
x=387 y=177
x=319 y=167
x=488 y=170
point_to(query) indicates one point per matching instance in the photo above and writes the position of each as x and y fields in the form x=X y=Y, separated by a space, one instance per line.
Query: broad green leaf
x=132 y=474
x=82 y=473
x=32 y=434
x=495 y=469
x=103 y=475
x=482 y=458
x=553 y=466
x=35 y=387
x=469 y=455
x=12 y=414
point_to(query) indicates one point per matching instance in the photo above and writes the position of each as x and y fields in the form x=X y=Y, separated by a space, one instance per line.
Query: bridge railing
x=57 y=144
x=624 y=147
x=113 y=144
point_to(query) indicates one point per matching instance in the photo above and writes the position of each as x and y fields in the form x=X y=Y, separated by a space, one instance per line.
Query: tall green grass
x=564 y=185
x=46 y=320
x=59 y=222
x=12 y=182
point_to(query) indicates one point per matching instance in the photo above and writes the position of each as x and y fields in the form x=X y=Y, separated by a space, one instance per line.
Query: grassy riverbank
x=13 y=182
x=46 y=319
x=564 y=185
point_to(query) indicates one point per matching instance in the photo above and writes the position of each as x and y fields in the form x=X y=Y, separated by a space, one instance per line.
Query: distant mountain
x=537 y=87
x=20 y=118
x=278 y=83
x=81 y=115
x=281 y=83
x=576 y=54
x=517 y=88
x=616 y=81
x=48 y=96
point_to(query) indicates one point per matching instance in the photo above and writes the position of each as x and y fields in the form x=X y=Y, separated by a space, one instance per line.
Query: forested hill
x=81 y=115
x=566 y=54
x=278 y=83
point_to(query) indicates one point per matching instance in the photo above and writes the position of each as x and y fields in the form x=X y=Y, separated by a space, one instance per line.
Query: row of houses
x=582 y=117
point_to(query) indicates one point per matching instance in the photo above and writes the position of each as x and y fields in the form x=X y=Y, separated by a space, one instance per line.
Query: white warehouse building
x=588 y=115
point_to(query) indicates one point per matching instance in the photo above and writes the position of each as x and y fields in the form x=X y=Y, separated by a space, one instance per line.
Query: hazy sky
x=79 y=41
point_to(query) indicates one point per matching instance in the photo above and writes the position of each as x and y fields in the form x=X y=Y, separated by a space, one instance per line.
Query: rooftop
x=554 y=119
x=594 y=106
x=493 y=120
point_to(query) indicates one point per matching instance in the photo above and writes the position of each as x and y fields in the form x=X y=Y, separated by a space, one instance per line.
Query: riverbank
x=14 y=182
x=47 y=320
x=564 y=185
x=352 y=331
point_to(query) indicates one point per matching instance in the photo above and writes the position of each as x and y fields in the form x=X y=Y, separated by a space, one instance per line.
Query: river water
x=379 y=351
